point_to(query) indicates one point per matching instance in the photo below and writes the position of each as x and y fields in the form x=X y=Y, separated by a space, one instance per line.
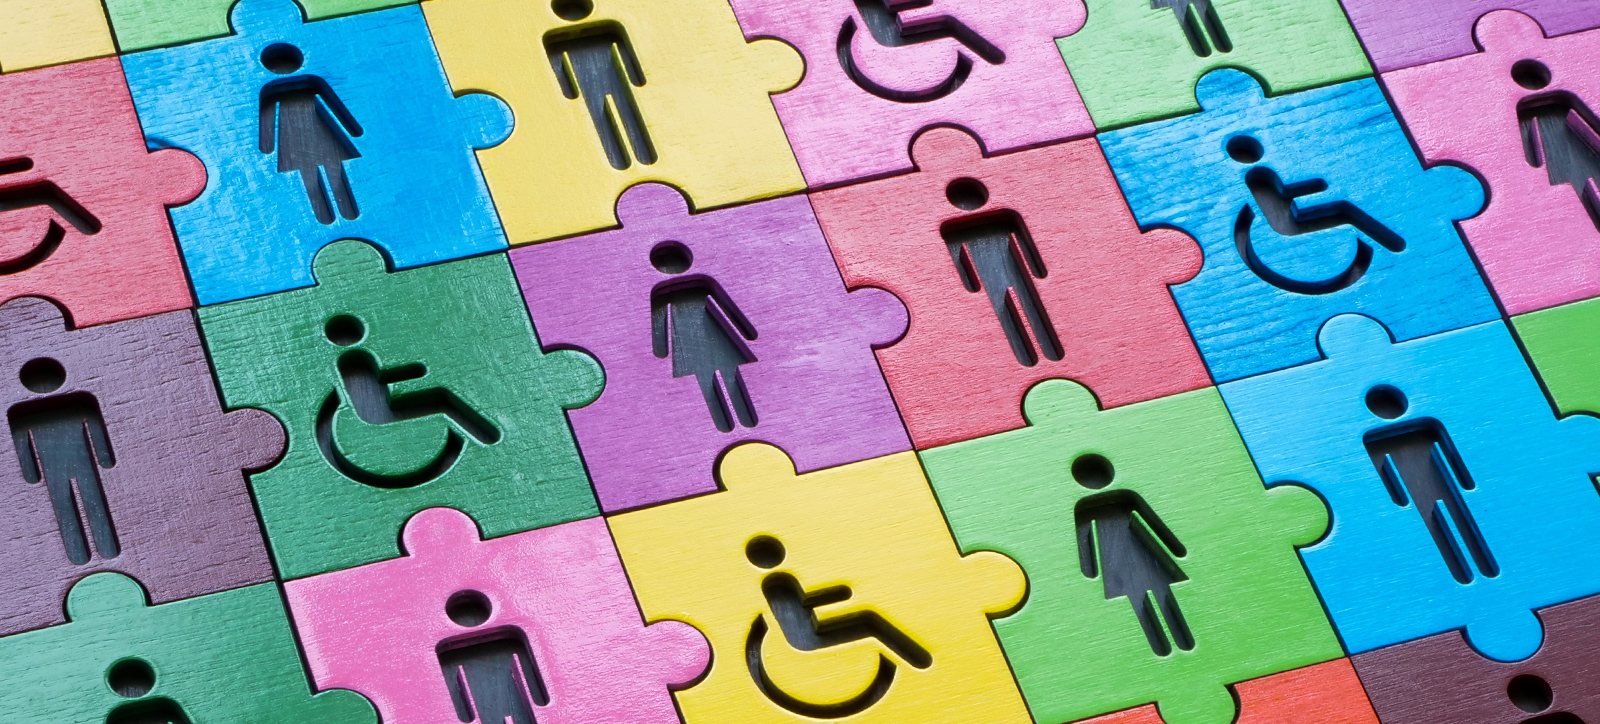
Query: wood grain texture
x=38 y=33
x=1536 y=240
x=1103 y=291
x=1564 y=344
x=1014 y=92
x=869 y=538
x=809 y=375
x=76 y=126
x=1325 y=693
x=379 y=629
x=145 y=24
x=1402 y=35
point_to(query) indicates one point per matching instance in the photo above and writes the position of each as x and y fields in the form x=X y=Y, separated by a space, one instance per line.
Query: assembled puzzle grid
x=786 y=361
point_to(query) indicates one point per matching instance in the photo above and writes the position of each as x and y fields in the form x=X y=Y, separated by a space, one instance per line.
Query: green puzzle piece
x=1247 y=601
x=144 y=24
x=1564 y=343
x=458 y=406
x=1134 y=63
x=225 y=657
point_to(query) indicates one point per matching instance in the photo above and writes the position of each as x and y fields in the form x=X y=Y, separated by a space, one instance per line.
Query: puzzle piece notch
x=1399 y=35
x=40 y=34
x=145 y=24
x=1326 y=693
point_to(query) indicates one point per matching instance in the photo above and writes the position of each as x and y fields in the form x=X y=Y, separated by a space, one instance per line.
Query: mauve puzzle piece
x=129 y=411
x=879 y=71
x=1325 y=693
x=755 y=338
x=1404 y=34
x=225 y=657
x=457 y=619
x=1063 y=255
x=83 y=197
x=1307 y=205
x=1458 y=498
x=1442 y=680
x=314 y=132
x=1519 y=113
x=402 y=391
x=145 y=24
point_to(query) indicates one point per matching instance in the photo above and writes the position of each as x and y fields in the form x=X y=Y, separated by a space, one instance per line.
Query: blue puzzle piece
x=1458 y=498
x=283 y=109
x=1371 y=233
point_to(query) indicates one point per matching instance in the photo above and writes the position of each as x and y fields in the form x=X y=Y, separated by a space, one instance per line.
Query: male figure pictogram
x=61 y=441
x=1200 y=25
x=308 y=126
x=491 y=680
x=994 y=253
x=595 y=61
x=693 y=320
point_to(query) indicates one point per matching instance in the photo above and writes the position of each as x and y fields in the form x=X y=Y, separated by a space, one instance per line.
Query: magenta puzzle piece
x=537 y=626
x=1520 y=114
x=1404 y=33
x=714 y=329
x=878 y=72
x=122 y=460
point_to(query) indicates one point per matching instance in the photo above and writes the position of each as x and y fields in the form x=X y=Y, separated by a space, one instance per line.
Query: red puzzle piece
x=1325 y=693
x=945 y=241
x=81 y=199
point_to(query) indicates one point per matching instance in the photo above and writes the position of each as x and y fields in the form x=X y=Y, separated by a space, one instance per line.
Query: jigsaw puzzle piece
x=616 y=93
x=1137 y=61
x=714 y=329
x=314 y=132
x=1519 y=114
x=1009 y=281
x=1159 y=569
x=536 y=626
x=1458 y=499
x=1563 y=345
x=81 y=199
x=1441 y=679
x=1325 y=693
x=1401 y=35
x=38 y=33
x=146 y=24
x=828 y=565
x=121 y=460
x=880 y=71
x=227 y=657
x=1329 y=168
x=441 y=357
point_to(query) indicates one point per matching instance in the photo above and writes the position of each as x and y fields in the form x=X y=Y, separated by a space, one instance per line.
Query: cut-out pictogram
x=306 y=124
x=61 y=442
x=491 y=675
x=884 y=26
x=31 y=218
x=596 y=62
x=1122 y=542
x=1200 y=25
x=1558 y=135
x=696 y=323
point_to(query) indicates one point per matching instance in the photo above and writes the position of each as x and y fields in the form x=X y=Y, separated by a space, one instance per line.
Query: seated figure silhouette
x=308 y=126
x=994 y=254
x=1200 y=24
x=1420 y=466
x=32 y=214
x=884 y=27
x=1122 y=542
x=595 y=61
x=1559 y=134
x=693 y=320
x=61 y=441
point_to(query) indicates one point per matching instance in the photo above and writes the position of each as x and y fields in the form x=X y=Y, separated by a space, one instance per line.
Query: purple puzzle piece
x=1401 y=34
x=714 y=329
x=121 y=421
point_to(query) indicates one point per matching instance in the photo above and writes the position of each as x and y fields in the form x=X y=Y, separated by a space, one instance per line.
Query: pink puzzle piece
x=1521 y=114
x=1400 y=34
x=1015 y=269
x=537 y=626
x=990 y=67
x=714 y=329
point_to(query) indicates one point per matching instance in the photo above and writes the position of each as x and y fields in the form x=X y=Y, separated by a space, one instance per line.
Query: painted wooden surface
x=1564 y=344
x=808 y=376
x=1103 y=290
x=1402 y=35
x=39 y=33
x=145 y=24
x=1325 y=693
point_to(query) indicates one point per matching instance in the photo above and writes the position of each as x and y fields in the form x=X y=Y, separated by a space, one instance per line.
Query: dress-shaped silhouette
x=595 y=61
x=1559 y=134
x=1122 y=542
x=695 y=322
x=308 y=126
x=883 y=24
x=994 y=254
x=1420 y=466
x=62 y=442
x=1200 y=25
x=494 y=681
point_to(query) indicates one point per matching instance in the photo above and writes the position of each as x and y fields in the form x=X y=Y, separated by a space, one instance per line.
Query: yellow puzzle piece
x=830 y=595
x=611 y=93
x=37 y=33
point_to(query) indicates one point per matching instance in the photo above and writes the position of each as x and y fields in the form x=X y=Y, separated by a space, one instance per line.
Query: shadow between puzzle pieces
x=145 y=24
x=1325 y=693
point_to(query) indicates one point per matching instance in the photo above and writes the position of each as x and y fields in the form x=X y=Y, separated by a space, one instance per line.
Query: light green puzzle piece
x=143 y=24
x=1564 y=343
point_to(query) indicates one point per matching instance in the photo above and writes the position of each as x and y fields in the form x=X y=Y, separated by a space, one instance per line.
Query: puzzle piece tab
x=1402 y=34
x=1010 y=280
x=1137 y=61
x=1307 y=206
x=37 y=33
x=833 y=594
x=1325 y=693
x=1564 y=343
x=1519 y=115
x=1159 y=569
x=1441 y=680
x=145 y=24
x=226 y=657
x=1458 y=498
x=549 y=608
x=879 y=71
x=754 y=338
x=314 y=132
x=81 y=201
x=615 y=93
x=402 y=391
